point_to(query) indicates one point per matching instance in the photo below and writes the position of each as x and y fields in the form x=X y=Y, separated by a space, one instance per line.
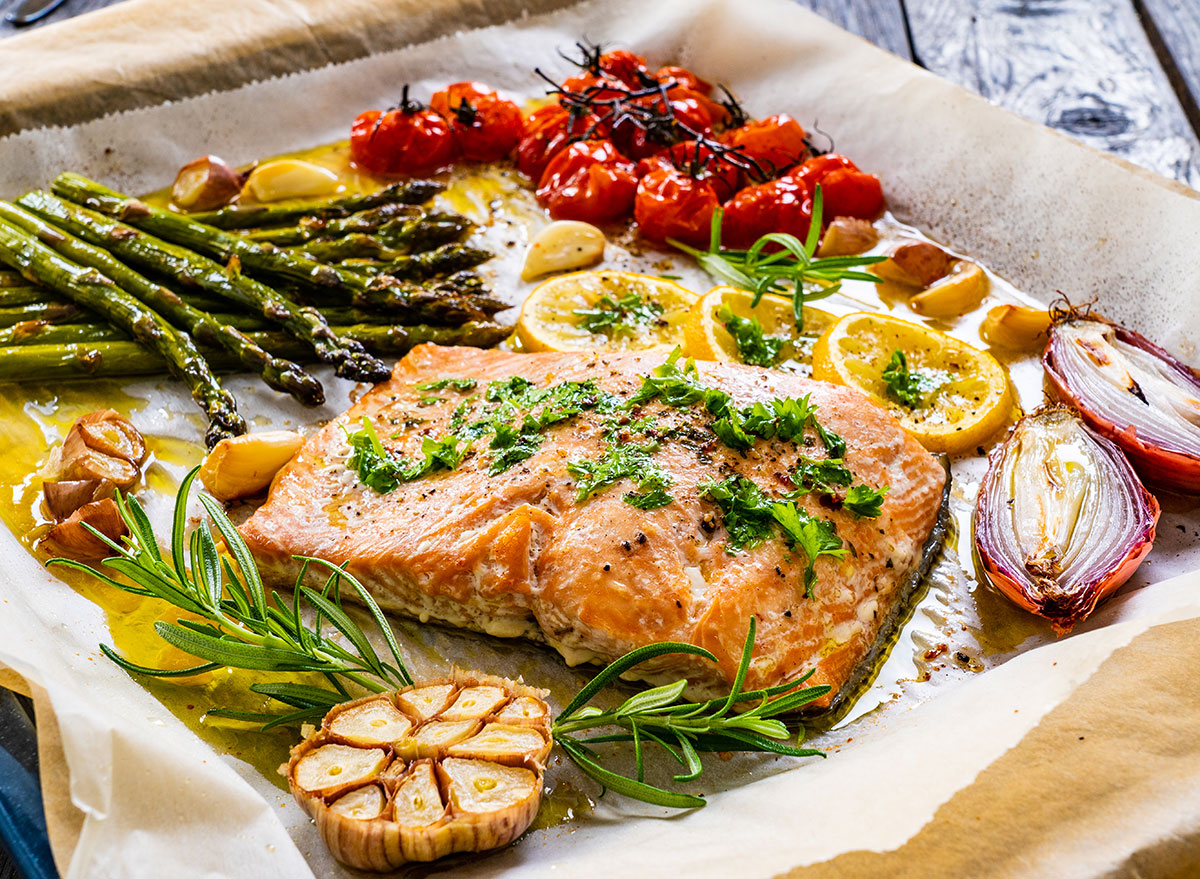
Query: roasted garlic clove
x=290 y=178
x=847 y=236
x=961 y=290
x=914 y=264
x=462 y=772
x=64 y=498
x=103 y=446
x=242 y=466
x=71 y=540
x=205 y=183
x=562 y=246
x=1016 y=327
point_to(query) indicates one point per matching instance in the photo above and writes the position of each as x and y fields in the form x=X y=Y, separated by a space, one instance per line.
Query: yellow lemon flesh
x=604 y=311
x=708 y=339
x=968 y=397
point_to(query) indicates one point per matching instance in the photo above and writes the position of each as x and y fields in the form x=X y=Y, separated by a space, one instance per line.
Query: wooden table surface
x=1119 y=75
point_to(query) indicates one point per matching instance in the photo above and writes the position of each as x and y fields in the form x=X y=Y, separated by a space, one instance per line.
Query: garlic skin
x=242 y=466
x=101 y=453
x=204 y=184
x=383 y=795
x=914 y=264
x=561 y=246
x=71 y=540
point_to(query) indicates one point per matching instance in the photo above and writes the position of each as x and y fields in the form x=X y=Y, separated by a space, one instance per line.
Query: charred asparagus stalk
x=90 y=288
x=313 y=228
x=56 y=360
x=11 y=279
x=268 y=261
x=388 y=242
x=169 y=260
x=255 y=216
x=47 y=312
x=282 y=375
x=30 y=294
x=444 y=260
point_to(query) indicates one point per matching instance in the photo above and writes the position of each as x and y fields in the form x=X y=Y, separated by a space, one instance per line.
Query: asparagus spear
x=92 y=289
x=254 y=216
x=193 y=270
x=11 y=279
x=282 y=375
x=387 y=243
x=258 y=259
x=104 y=359
x=50 y=312
x=39 y=332
x=444 y=260
x=312 y=228
x=30 y=294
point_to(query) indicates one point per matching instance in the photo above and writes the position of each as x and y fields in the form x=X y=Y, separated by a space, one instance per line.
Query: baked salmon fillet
x=598 y=519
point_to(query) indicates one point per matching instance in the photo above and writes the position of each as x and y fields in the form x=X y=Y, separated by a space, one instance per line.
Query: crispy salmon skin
x=514 y=552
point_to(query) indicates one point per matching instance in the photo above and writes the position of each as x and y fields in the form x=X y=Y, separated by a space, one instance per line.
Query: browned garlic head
x=432 y=770
x=102 y=452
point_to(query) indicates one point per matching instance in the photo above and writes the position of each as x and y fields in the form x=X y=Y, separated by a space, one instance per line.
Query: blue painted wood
x=23 y=839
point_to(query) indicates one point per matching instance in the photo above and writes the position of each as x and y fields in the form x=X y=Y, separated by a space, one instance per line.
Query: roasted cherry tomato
x=845 y=190
x=596 y=88
x=407 y=140
x=625 y=66
x=588 y=181
x=545 y=134
x=670 y=204
x=684 y=77
x=695 y=160
x=486 y=126
x=775 y=143
x=775 y=206
x=849 y=193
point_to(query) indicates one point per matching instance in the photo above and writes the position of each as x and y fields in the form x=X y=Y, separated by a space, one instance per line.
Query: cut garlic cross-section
x=432 y=770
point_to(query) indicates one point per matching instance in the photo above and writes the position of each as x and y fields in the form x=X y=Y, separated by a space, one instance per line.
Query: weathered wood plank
x=1084 y=67
x=1173 y=27
x=880 y=21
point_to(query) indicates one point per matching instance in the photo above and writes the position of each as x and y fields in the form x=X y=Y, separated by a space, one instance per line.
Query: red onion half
x=1062 y=519
x=1133 y=392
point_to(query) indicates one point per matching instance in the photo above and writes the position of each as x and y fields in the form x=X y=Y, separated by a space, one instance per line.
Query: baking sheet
x=1015 y=195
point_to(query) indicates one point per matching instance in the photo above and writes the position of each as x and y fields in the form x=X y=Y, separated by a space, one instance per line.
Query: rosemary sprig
x=243 y=628
x=682 y=729
x=781 y=264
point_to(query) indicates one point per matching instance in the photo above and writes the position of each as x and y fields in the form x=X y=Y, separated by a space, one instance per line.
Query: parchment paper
x=147 y=797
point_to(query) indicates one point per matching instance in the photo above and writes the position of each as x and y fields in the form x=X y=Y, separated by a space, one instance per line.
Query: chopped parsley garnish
x=907 y=387
x=459 y=384
x=511 y=445
x=865 y=502
x=825 y=475
x=612 y=316
x=429 y=401
x=621 y=461
x=379 y=469
x=751 y=518
x=680 y=387
x=754 y=346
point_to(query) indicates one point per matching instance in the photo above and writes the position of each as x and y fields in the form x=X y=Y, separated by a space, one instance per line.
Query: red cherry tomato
x=845 y=190
x=408 y=140
x=545 y=134
x=813 y=171
x=588 y=181
x=695 y=160
x=687 y=118
x=718 y=114
x=624 y=66
x=487 y=126
x=685 y=78
x=598 y=88
x=849 y=193
x=776 y=142
x=775 y=206
x=670 y=204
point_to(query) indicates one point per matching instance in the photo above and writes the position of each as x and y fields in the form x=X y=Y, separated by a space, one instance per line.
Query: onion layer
x=1133 y=392
x=1062 y=519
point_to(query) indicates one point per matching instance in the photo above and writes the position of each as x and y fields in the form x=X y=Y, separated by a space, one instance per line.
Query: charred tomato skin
x=696 y=160
x=671 y=204
x=411 y=140
x=486 y=126
x=545 y=133
x=685 y=78
x=588 y=181
x=776 y=142
x=846 y=191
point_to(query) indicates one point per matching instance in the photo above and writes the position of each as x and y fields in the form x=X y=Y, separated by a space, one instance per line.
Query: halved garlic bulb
x=432 y=770
x=1061 y=520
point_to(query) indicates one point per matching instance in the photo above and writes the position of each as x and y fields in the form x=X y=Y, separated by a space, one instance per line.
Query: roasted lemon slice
x=958 y=396
x=786 y=347
x=606 y=311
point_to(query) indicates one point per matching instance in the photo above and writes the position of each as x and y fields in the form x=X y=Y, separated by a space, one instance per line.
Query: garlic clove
x=502 y=743
x=362 y=804
x=425 y=702
x=205 y=183
x=377 y=722
x=418 y=802
x=64 y=498
x=72 y=540
x=914 y=264
x=481 y=787
x=244 y=465
x=523 y=709
x=1016 y=326
x=108 y=433
x=474 y=702
x=847 y=236
x=957 y=293
x=561 y=246
x=331 y=768
x=290 y=178
x=434 y=737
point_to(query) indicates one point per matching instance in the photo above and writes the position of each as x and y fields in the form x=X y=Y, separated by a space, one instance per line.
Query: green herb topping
x=865 y=502
x=624 y=315
x=751 y=518
x=379 y=469
x=907 y=387
x=459 y=384
x=623 y=461
x=754 y=347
